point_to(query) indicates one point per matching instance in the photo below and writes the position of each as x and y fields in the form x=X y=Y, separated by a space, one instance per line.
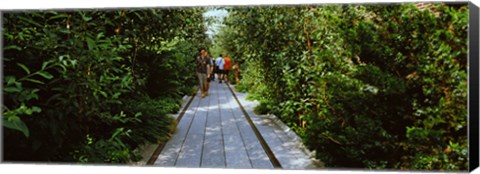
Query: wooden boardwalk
x=214 y=132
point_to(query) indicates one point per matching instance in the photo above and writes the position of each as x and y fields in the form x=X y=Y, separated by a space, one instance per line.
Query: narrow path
x=218 y=132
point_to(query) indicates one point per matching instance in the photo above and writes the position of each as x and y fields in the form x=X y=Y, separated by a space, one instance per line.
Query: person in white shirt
x=219 y=67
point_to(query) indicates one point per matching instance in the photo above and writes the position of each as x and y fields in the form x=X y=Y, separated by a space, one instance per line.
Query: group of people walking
x=208 y=67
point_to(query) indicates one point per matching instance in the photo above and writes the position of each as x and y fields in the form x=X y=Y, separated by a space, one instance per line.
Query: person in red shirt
x=226 y=67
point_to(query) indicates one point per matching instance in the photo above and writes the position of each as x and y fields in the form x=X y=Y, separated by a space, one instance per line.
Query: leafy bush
x=76 y=81
x=146 y=121
x=365 y=86
x=154 y=124
x=111 y=150
x=261 y=109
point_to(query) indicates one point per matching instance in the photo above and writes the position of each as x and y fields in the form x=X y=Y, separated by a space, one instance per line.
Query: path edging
x=273 y=159
x=288 y=131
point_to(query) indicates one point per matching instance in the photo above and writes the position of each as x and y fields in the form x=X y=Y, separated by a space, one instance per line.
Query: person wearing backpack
x=209 y=72
x=219 y=66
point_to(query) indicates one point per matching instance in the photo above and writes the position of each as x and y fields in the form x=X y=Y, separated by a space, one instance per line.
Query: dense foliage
x=365 y=86
x=92 y=86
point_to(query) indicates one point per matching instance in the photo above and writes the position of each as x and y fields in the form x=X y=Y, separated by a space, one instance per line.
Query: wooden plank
x=287 y=158
x=170 y=152
x=289 y=144
x=282 y=146
x=236 y=155
x=256 y=153
x=213 y=150
x=276 y=146
x=191 y=151
x=214 y=133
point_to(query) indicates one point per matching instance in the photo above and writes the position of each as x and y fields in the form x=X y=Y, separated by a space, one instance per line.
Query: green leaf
x=35 y=81
x=86 y=18
x=90 y=43
x=138 y=15
x=33 y=94
x=44 y=65
x=65 y=31
x=24 y=67
x=28 y=111
x=58 y=16
x=104 y=94
x=116 y=133
x=45 y=75
x=11 y=89
x=10 y=80
x=116 y=95
x=30 y=21
x=15 y=123
x=12 y=47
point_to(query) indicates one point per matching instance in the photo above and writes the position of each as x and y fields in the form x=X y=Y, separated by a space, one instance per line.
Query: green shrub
x=365 y=86
x=241 y=87
x=72 y=76
x=145 y=121
x=154 y=124
x=261 y=109
x=111 y=150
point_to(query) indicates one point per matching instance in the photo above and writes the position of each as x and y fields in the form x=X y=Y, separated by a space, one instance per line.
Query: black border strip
x=2 y=137
x=160 y=147
x=473 y=85
x=268 y=151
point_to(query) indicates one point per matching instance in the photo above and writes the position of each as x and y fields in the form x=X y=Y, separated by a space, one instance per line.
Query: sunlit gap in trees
x=214 y=18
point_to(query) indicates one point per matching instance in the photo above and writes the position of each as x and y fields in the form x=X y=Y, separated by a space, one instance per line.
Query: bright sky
x=218 y=14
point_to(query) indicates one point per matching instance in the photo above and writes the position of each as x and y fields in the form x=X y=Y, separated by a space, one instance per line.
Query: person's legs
x=200 y=83
x=202 y=78
x=221 y=76
x=236 y=78
x=215 y=71
x=212 y=75
x=207 y=86
x=225 y=75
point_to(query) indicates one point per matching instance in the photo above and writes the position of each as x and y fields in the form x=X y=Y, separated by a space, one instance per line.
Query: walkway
x=214 y=132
